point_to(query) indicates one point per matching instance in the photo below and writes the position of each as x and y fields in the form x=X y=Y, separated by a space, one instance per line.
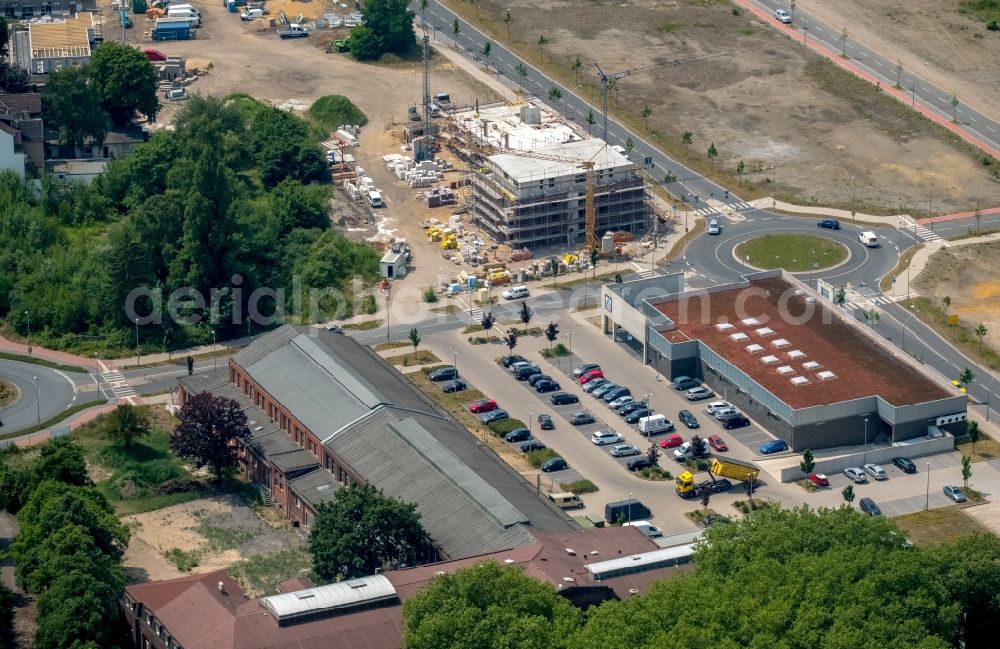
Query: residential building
x=10 y=159
x=55 y=43
x=119 y=142
x=22 y=114
x=18 y=9
x=318 y=399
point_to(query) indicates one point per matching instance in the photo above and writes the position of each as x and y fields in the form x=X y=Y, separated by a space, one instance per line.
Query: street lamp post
x=215 y=359
x=28 y=316
x=387 y=327
x=531 y=416
x=866 y=442
x=137 y=342
x=927 y=494
x=38 y=403
x=853 y=198
x=455 y=363
x=930 y=203
x=774 y=178
x=630 y=508
x=570 y=336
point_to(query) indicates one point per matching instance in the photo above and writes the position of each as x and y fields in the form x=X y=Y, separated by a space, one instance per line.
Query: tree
x=414 y=339
x=618 y=278
x=62 y=460
x=840 y=297
x=522 y=73
x=595 y=254
x=629 y=147
x=488 y=321
x=362 y=531
x=687 y=139
x=872 y=316
x=496 y=606
x=127 y=422
x=190 y=365
x=713 y=153
x=525 y=313
x=669 y=178
x=15 y=487
x=71 y=105
x=966 y=470
x=966 y=377
x=542 y=42
x=387 y=29
x=508 y=20
x=848 y=494
x=487 y=51
x=899 y=71
x=551 y=333
x=978 y=215
x=706 y=498
x=209 y=430
x=740 y=169
x=843 y=43
x=590 y=120
x=972 y=430
x=554 y=265
x=954 y=108
x=576 y=67
x=808 y=463
x=981 y=332
x=510 y=340
x=945 y=303
x=125 y=82
x=653 y=454
x=646 y=112
x=555 y=94
x=456 y=27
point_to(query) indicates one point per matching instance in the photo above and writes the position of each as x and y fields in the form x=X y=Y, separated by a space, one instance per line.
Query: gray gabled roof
x=315 y=487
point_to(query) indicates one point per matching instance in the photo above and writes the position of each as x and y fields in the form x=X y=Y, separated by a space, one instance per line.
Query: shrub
x=582 y=486
x=993 y=25
x=535 y=458
x=558 y=350
x=477 y=340
x=369 y=306
x=429 y=295
x=654 y=473
x=333 y=111
x=504 y=426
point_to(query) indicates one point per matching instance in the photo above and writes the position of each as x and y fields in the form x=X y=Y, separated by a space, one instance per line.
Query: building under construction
x=530 y=180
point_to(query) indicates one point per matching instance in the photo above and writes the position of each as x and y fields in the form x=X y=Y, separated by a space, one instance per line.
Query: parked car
x=544 y=386
x=955 y=493
x=629 y=408
x=483 y=405
x=593 y=384
x=716 y=443
x=602 y=437
x=531 y=445
x=580 y=370
x=685 y=383
x=443 y=374
x=783 y=16
x=869 y=507
x=624 y=450
x=545 y=422
x=819 y=480
x=335 y=329
x=554 y=464
x=455 y=386
x=535 y=378
x=154 y=55
x=580 y=418
x=906 y=465
x=624 y=400
x=725 y=412
x=516 y=365
x=524 y=373
x=507 y=361
x=774 y=446
x=617 y=393
x=587 y=377
x=712 y=519
x=831 y=224
x=672 y=440
x=718 y=405
x=638 y=463
x=876 y=471
x=563 y=398
x=496 y=415
x=515 y=293
x=699 y=393
x=517 y=435
x=604 y=389
x=634 y=416
x=689 y=419
x=854 y=474
x=735 y=420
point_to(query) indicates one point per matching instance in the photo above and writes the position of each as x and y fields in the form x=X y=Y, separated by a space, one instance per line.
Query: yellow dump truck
x=724 y=468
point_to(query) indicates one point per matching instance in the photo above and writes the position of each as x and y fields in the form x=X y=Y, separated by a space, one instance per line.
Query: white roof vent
x=508 y=561
x=768 y=360
x=569 y=580
x=765 y=331
x=810 y=365
x=739 y=336
x=724 y=326
x=571 y=552
x=754 y=348
x=781 y=342
x=750 y=322
x=800 y=380
x=826 y=376
x=785 y=369
x=796 y=353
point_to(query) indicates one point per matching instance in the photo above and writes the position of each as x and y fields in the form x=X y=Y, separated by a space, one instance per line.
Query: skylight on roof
x=796 y=353
x=765 y=331
x=768 y=360
x=810 y=365
x=724 y=326
x=739 y=336
x=781 y=342
x=750 y=322
x=785 y=369
x=800 y=380
x=826 y=375
x=755 y=348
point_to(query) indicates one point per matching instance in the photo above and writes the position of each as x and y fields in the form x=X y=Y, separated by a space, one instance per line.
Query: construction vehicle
x=725 y=468
x=414 y=114
x=338 y=45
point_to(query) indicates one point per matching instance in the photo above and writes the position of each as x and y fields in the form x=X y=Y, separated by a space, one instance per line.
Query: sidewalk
x=63 y=358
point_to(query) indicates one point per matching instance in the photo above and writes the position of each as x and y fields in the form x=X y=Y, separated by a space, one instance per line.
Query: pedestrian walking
x=656 y=377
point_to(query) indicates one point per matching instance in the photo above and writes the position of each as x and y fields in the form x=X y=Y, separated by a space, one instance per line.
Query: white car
x=721 y=413
x=715 y=406
x=783 y=16
x=876 y=471
x=697 y=394
x=624 y=450
x=602 y=437
x=854 y=474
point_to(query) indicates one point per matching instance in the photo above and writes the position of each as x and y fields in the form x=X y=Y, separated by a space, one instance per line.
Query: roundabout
x=796 y=253
x=42 y=394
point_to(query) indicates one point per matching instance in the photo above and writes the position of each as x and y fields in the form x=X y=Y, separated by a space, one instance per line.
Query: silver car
x=854 y=474
x=624 y=450
x=699 y=393
x=783 y=16
x=955 y=493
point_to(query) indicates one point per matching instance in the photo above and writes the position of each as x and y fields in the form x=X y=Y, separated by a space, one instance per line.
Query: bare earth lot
x=770 y=103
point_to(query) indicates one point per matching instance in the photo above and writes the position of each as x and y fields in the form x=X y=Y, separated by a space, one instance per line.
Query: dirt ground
x=762 y=104
x=967 y=274
x=951 y=50
x=222 y=531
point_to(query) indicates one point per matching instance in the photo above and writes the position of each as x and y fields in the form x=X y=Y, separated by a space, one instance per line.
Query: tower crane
x=428 y=139
x=608 y=79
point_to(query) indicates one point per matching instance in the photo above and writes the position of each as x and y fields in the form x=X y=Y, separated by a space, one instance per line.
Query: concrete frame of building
x=630 y=317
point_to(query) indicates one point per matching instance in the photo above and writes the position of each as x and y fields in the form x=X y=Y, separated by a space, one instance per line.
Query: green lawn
x=793 y=252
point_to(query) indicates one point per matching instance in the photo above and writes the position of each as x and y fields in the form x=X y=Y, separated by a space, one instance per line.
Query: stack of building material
x=352 y=190
x=439 y=196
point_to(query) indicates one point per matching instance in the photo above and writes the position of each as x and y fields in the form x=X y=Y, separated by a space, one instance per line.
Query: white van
x=182 y=7
x=515 y=293
x=193 y=19
x=375 y=198
x=655 y=424
x=566 y=500
x=254 y=14
x=869 y=239
x=646 y=528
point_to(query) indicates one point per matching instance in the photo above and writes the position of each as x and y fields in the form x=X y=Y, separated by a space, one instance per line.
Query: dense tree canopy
x=362 y=530
x=62 y=461
x=388 y=29
x=72 y=107
x=125 y=82
x=207 y=431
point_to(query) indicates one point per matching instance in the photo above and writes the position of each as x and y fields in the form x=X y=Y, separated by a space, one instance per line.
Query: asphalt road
x=57 y=389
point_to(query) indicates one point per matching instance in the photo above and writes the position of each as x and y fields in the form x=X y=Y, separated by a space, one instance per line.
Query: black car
x=546 y=386
x=685 y=383
x=526 y=372
x=563 y=398
x=443 y=374
x=735 y=420
x=580 y=370
x=531 y=445
x=629 y=408
x=689 y=420
x=869 y=507
x=580 y=418
x=455 y=386
x=518 y=435
x=545 y=422
x=611 y=395
x=906 y=465
x=638 y=463
x=636 y=415
x=831 y=224
x=554 y=464
x=507 y=361
x=494 y=415
x=535 y=378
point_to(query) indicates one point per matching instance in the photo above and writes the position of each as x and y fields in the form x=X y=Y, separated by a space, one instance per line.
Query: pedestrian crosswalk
x=879 y=300
x=715 y=211
x=118 y=383
x=925 y=233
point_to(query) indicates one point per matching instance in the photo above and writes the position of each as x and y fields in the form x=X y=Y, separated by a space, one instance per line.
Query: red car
x=671 y=440
x=154 y=55
x=716 y=442
x=483 y=405
x=819 y=480
x=586 y=377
